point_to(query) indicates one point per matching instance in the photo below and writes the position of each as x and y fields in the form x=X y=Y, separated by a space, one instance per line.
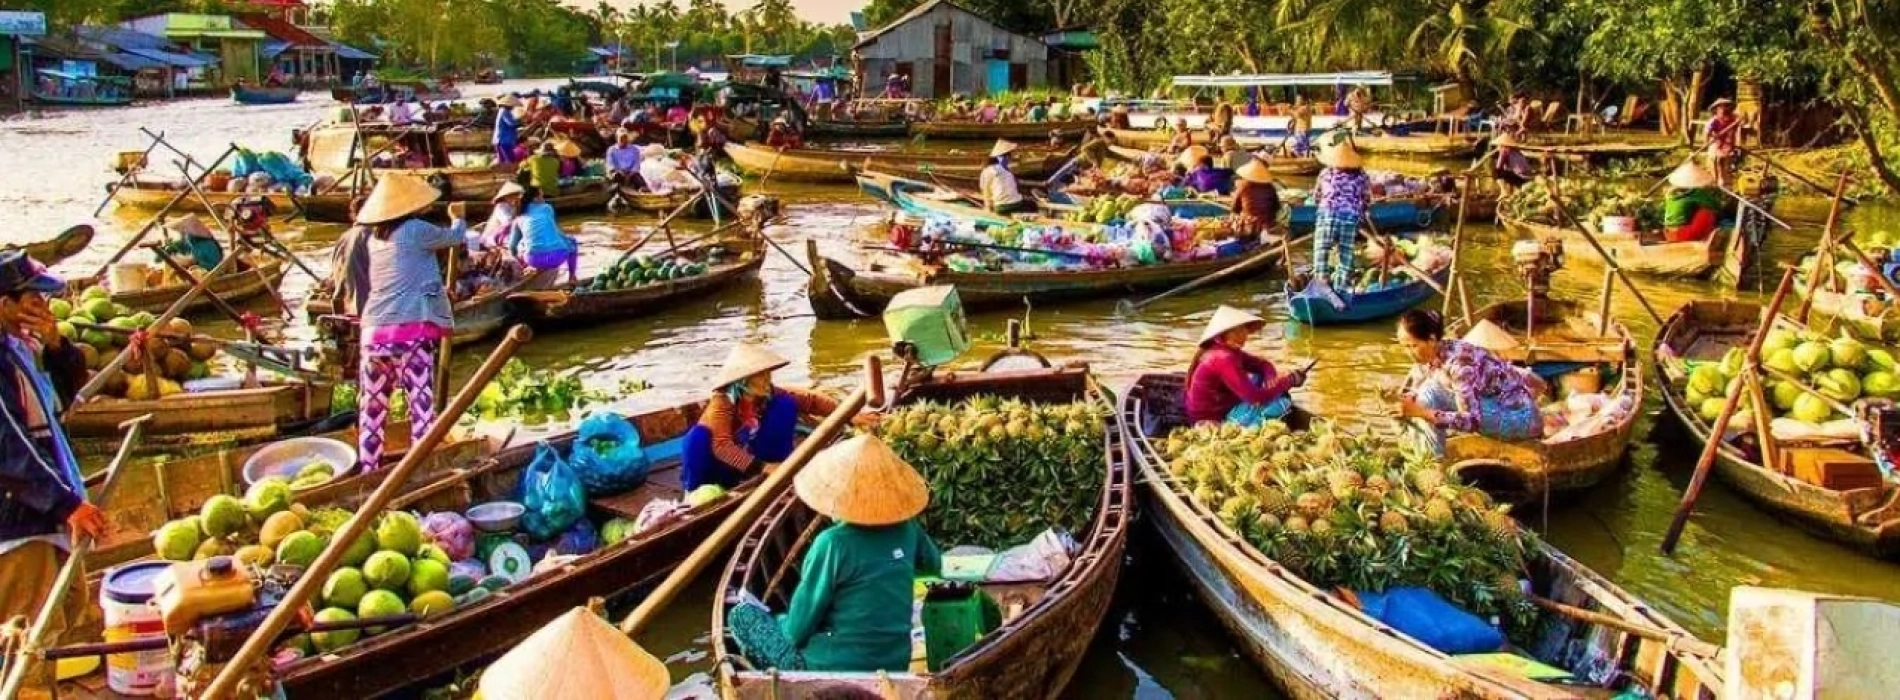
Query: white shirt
x=998 y=185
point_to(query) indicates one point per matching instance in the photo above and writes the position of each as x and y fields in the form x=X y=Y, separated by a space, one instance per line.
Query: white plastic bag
x=1040 y=559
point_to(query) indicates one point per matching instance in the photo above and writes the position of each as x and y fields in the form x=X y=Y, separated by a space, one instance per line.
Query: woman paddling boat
x=1256 y=201
x=998 y=186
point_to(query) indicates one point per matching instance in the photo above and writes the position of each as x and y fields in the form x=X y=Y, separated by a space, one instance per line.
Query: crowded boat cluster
x=319 y=516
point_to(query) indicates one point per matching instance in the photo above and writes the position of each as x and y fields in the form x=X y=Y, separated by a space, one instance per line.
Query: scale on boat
x=928 y=330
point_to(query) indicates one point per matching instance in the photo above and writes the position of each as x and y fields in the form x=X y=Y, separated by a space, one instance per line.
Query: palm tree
x=1465 y=36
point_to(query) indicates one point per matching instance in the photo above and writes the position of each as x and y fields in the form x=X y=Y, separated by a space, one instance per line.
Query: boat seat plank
x=1591 y=352
x=663 y=482
x=1712 y=345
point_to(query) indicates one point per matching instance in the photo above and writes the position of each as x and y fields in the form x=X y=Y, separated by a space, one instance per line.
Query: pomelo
x=399 y=532
x=256 y=555
x=1811 y=408
x=277 y=527
x=176 y=540
x=1840 y=384
x=222 y=516
x=60 y=308
x=428 y=575
x=380 y=603
x=269 y=496
x=100 y=309
x=1847 y=352
x=334 y=640
x=1812 y=356
x=359 y=550
x=431 y=604
x=299 y=548
x=387 y=570
x=1785 y=396
x=345 y=588
x=214 y=547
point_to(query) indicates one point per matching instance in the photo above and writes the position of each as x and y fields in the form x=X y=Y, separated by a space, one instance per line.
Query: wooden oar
x=1823 y=261
x=1751 y=205
x=125 y=177
x=1404 y=264
x=775 y=483
x=1563 y=212
x=1797 y=176
x=262 y=279
x=1264 y=256
x=68 y=573
x=294 y=602
x=1677 y=641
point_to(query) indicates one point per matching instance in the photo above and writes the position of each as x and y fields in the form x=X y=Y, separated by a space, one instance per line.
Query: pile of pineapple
x=1341 y=510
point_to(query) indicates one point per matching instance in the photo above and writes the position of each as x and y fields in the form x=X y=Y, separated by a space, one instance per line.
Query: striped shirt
x=721 y=417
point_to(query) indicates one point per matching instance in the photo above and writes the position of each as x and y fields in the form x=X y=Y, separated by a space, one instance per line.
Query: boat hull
x=1019 y=131
x=1362 y=308
x=263 y=95
x=1692 y=260
x=834 y=166
x=275 y=408
x=865 y=130
x=564 y=307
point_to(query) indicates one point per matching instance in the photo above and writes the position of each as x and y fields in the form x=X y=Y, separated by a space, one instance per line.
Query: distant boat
x=59 y=88
x=248 y=95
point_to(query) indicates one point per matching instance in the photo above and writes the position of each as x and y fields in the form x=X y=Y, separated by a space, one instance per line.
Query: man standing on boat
x=42 y=495
x=507 y=129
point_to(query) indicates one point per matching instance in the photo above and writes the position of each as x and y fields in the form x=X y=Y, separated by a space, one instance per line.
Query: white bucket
x=1624 y=225
x=125 y=597
x=128 y=276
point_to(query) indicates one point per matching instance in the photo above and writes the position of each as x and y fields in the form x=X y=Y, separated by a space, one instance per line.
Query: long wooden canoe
x=261 y=95
x=1691 y=260
x=277 y=407
x=262 y=275
x=1565 y=336
x=1020 y=131
x=1364 y=306
x=1417 y=146
x=476 y=318
x=1032 y=655
x=836 y=166
x=1313 y=644
x=1290 y=166
x=567 y=305
x=1867 y=519
x=58 y=248
x=921 y=198
x=861 y=130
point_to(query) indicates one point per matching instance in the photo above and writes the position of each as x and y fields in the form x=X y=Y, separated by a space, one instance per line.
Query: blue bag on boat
x=244 y=163
x=607 y=456
x=283 y=170
x=1428 y=618
x=551 y=493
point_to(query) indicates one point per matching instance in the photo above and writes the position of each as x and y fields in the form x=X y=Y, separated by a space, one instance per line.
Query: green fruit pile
x=1340 y=510
x=1589 y=200
x=1842 y=368
x=640 y=270
x=155 y=373
x=1002 y=471
x=1104 y=209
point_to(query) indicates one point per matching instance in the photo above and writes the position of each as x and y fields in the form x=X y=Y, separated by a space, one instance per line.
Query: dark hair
x=530 y=194
x=1422 y=324
x=1206 y=162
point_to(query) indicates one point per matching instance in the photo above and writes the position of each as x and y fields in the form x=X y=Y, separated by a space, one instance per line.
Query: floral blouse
x=1348 y=191
x=1481 y=380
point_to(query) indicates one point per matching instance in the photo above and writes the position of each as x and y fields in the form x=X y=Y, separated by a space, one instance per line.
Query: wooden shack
x=947 y=49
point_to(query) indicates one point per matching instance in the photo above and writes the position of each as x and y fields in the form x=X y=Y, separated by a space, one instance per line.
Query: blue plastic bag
x=283 y=170
x=1430 y=619
x=607 y=455
x=580 y=538
x=552 y=494
x=244 y=163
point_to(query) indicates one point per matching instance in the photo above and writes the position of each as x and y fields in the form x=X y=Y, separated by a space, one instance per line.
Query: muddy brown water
x=1158 y=641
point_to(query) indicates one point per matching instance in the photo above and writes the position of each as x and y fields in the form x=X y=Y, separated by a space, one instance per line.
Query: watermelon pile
x=639 y=271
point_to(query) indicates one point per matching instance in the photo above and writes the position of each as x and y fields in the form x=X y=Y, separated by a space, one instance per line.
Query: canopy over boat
x=1364 y=77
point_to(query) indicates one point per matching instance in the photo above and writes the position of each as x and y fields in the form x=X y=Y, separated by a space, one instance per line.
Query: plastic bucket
x=1624 y=225
x=218 y=181
x=125 y=598
x=128 y=160
x=129 y=276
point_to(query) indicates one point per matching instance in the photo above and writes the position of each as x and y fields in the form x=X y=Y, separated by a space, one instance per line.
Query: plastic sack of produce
x=1431 y=619
x=1041 y=559
x=452 y=532
x=607 y=456
x=580 y=538
x=552 y=494
x=243 y=163
x=283 y=169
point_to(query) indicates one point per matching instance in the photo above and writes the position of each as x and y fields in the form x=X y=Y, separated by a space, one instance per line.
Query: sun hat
x=1492 y=337
x=1118 y=109
x=508 y=101
x=191 y=226
x=21 y=273
x=508 y=189
x=568 y=149
x=1720 y=101
x=652 y=150
x=1340 y=155
x=397 y=195
x=578 y=655
x=862 y=482
x=1227 y=318
x=1191 y=157
x=744 y=361
x=1002 y=147
x=1690 y=176
x=547 y=147
x=1255 y=170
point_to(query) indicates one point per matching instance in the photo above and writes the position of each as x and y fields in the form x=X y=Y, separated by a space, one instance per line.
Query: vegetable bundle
x=1002 y=471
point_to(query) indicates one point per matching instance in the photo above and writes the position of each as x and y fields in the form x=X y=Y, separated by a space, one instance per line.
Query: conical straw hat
x=1690 y=176
x=568 y=149
x=190 y=225
x=1227 y=318
x=508 y=101
x=862 y=482
x=508 y=189
x=1002 y=147
x=397 y=195
x=578 y=655
x=1255 y=170
x=1491 y=337
x=1341 y=155
x=746 y=360
x=1191 y=156
x=1504 y=139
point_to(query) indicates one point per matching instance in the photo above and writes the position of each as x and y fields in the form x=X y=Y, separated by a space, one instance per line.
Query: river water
x=1158 y=642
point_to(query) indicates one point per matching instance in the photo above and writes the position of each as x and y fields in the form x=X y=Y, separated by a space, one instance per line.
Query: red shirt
x=1220 y=382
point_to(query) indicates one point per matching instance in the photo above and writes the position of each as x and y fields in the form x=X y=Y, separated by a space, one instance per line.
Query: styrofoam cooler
x=129 y=276
x=1795 y=645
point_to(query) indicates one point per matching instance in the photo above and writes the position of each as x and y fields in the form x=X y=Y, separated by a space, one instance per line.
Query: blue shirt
x=623 y=159
x=506 y=127
x=1210 y=180
x=538 y=227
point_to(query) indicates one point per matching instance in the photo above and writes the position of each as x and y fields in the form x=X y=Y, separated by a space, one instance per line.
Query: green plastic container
x=954 y=617
x=930 y=319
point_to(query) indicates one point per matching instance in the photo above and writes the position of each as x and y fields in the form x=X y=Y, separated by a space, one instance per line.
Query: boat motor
x=1536 y=261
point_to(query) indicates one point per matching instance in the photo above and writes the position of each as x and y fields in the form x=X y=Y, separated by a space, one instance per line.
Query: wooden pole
x=1677 y=641
x=1797 y=176
x=1823 y=266
x=1556 y=197
x=263 y=279
x=756 y=502
x=258 y=644
x=125 y=177
x=1457 y=246
x=1712 y=448
x=68 y=573
x=449 y=273
x=1406 y=265
x=1603 y=308
x=1265 y=256
x=157 y=218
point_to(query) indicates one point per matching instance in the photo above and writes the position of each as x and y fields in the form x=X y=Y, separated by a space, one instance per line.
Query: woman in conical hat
x=852 y=608
x=1722 y=133
x=1692 y=208
x=1344 y=193
x=1256 y=202
x=748 y=422
x=997 y=183
x=1458 y=385
x=578 y=655
x=405 y=312
x=1226 y=383
x=206 y=252
x=1509 y=168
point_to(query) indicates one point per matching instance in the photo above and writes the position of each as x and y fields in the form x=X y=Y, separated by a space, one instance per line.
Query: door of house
x=1019 y=76
x=940 y=68
x=998 y=75
x=909 y=71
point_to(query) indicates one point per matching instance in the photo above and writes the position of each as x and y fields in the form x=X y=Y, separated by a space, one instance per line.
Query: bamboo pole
x=258 y=270
x=1797 y=176
x=1678 y=641
x=1407 y=265
x=449 y=273
x=69 y=572
x=257 y=645
x=1712 y=448
x=1267 y=255
x=124 y=178
x=1823 y=259
x=133 y=241
x=1457 y=246
x=1556 y=197
x=756 y=502
x=1603 y=309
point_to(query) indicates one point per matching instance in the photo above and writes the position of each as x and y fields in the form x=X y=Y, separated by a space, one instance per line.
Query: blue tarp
x=351 y=53
x=273 y=47
x=130 y=62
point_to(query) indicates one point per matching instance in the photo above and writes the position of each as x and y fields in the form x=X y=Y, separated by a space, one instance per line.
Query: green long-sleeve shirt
x=1681 y=205
x=544 y=173
x=852 y=609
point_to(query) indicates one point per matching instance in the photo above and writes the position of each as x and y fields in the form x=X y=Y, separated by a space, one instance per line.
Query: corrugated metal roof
x=1364 y=77
x=133 y=62
x=348 y=52
x=283 y=31
x=920 y=11
x=181 y=60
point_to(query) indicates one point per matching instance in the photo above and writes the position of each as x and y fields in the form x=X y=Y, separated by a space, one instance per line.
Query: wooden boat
x=1693 y=260
x=260 y=277
x=1289 y=166
x=921 y=198
x=272 y=408
x=252 y=95
x=54 y=250
x=858 y=130
x=1597 y=148
x=1867 y=315
x=1314 y=644
x=1390 y=215
x=476 y=318
x=835 y=166
x=1362 y=307
x=1564 y=337
x=392 y=90
x=1034 y=653
x=488 y=76
x=1867 y=519
x=1019 y=131
x=335 y=150
x=667 y=202
x=568 y=306
x=52 y=87
x=1418 y=146
x=152 y=195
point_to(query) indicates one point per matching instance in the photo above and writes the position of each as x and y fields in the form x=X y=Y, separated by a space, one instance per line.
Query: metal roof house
x=237 y=47
x=946 y=49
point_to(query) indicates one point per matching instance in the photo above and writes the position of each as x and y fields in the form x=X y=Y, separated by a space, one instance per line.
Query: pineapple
x=1311 y=504
x=1322 y=527
x=1261 y=475
x=1475 y=499
x=1274 y=501
x=1295 y=523
x=1372 y=497
x=1268 y=522
x=1206 y=496
x=1438 y=511
x=1502 y=525
x=1239 y=511
x=1394 y=523
x=1378 y=482
x=1428 y=480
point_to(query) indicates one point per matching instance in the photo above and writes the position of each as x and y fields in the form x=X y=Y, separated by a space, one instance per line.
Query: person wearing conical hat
x=1256 y=202
x=749 y=422
x=405 y=314
x=997 y=183
x=1509 y=167
x=1344 y=193
x=1300 y=128
x=1722 y=133
x=852 y=608
x=1225 y=383
x=542 y=171
x=1233 y=157
x=1202 y=176
x=1118 y=117
x=1692 y=207
x=206 y=252
x=1458 y=385
x=578 y=655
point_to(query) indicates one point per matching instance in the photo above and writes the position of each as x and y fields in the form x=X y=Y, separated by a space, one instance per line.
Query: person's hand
x=1299 y=377
x=1410 y=408
x=458 y=211
x=36 y=321
x=87 y=520
x=866 y=421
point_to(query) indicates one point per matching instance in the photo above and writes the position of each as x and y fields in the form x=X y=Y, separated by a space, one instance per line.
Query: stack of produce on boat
x=168 y=359
x=533 y=395
x=1378 y=262
x=641 y=270
x=1838 y=370
x=1591 y=201
x=1345 y=512
x=1862 y=299
x=1125 y=178
x=1150 y=236
x=1579 y=415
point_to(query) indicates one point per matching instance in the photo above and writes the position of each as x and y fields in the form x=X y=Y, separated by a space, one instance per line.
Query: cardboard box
x=1830 y=468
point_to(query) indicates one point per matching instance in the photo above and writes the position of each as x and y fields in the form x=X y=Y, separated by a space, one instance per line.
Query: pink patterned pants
x=409 y=364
